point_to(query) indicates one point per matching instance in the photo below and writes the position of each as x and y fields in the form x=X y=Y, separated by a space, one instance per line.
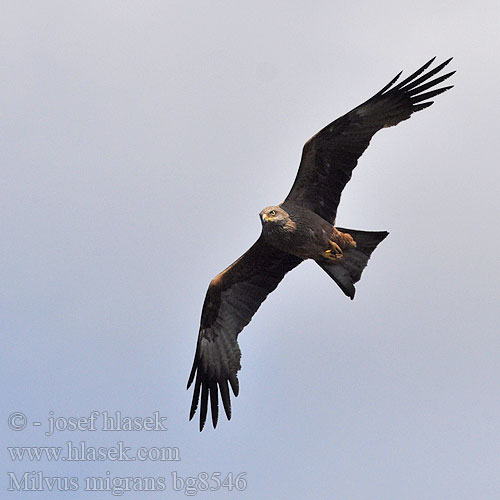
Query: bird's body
x=300 y=228
x=303 y=233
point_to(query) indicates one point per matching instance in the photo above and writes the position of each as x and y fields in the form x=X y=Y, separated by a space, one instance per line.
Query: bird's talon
x=333 y=253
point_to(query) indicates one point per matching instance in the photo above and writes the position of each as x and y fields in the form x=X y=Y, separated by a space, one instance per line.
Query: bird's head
x=274 y=215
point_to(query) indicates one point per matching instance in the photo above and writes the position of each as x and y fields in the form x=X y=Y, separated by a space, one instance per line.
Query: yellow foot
x=333 y=253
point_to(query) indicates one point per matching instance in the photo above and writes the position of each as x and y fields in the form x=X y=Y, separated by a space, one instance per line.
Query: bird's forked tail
x=347 y=270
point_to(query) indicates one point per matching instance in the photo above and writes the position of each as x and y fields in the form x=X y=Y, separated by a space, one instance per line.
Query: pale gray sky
x=139 y=142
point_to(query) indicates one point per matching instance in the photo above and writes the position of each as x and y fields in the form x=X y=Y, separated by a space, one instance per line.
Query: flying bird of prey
x=302 y=227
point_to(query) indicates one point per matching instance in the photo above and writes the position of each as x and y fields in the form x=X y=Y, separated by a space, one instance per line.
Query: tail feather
x=347 y=270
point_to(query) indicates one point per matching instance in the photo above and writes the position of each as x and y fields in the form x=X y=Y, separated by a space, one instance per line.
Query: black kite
x=302 y=227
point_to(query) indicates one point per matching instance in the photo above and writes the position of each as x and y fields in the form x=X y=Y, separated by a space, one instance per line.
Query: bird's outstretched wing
x=329 y=157
x=232 y=299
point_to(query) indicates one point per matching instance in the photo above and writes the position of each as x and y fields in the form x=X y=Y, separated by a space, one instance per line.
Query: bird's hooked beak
x=266 y=218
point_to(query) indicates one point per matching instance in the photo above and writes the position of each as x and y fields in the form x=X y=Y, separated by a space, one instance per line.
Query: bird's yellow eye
x=272 y=213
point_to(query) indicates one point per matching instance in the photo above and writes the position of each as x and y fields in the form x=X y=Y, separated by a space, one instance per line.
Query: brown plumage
x=302 y=227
